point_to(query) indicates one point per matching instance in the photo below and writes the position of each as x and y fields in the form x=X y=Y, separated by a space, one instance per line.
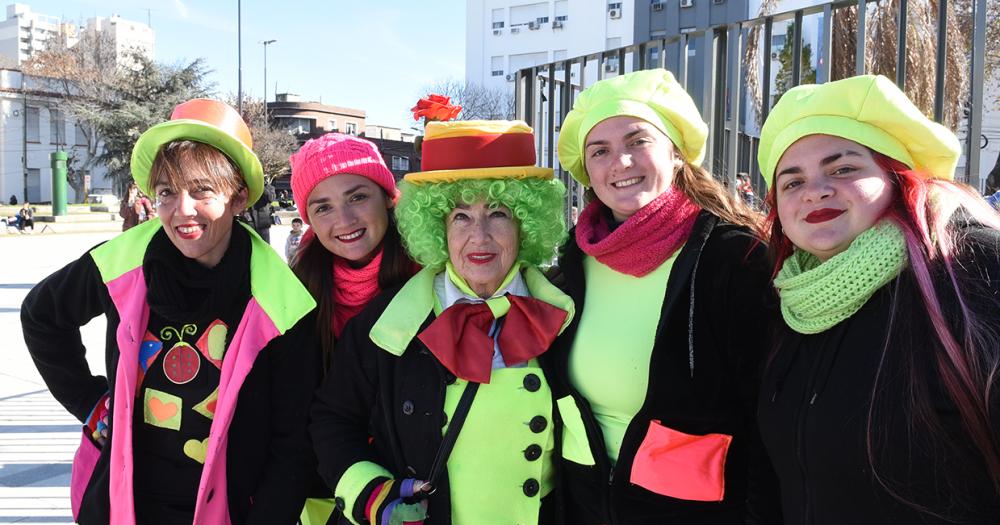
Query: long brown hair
x=313 y=265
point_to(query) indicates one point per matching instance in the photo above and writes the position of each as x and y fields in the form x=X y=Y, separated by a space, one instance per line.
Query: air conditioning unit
x=610 y=68
x=532 y=25
x=557 y=24
x=497 y=32
x=515 y=30
x=774 y=55
x=687 y=3
x=614 y=13
x=510 y=77
x=657 y=6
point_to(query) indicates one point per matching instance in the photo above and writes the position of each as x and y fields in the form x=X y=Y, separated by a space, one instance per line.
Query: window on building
x=542 y=20
x=400 y=163
x=557 y=56
x=31 y=120
x=561 y=10
x=296 y=126
x=81 y=136
x=331 y=125
x=526 y=14
x=351 y=128
x=497 y=18
x=57 y=127
x=498 y=25
x=496 y=66
x=614 y=5
x=777 y=41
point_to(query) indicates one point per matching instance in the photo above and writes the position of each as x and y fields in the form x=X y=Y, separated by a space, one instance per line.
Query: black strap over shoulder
x=451 y=435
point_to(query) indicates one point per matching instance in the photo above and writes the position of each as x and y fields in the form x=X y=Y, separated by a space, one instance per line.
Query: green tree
x=783 y=78
x=114 y=98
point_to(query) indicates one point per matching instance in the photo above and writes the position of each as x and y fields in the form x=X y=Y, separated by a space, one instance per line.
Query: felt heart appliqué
x=196 y=449
x=162 y=411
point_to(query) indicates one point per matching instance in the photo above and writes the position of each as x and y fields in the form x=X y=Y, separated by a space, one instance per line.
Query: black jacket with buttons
x=375 y=406
x=703 y=378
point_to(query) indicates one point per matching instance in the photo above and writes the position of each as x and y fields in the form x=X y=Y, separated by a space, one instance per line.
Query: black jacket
x=710 y=387
x=268 y=457
x=816 y=401
x=374 y=406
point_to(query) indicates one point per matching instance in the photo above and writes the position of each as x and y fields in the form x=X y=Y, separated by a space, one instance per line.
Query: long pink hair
x=966 y=363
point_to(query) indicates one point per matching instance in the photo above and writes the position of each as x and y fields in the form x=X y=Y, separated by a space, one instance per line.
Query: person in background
x=261 y=214
x=210 y=354
x=881 y=402
x=13 y=200
x=294 y=239
x=135 y=208
x=25 y=217
x=657 y=377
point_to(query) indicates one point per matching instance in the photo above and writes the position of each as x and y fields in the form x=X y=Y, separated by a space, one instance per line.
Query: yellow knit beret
x=870 y=110
x=652 y=95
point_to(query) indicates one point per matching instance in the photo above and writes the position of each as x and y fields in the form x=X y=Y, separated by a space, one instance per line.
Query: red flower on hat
x=435 y=107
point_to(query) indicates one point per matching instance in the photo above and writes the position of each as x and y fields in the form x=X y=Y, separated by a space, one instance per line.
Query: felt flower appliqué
x=435 y=107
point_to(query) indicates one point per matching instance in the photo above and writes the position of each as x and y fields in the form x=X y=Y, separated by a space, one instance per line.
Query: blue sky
x=372 y=55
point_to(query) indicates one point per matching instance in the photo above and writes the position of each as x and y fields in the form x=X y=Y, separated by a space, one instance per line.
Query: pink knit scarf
x=352 y=289
x=646 y=239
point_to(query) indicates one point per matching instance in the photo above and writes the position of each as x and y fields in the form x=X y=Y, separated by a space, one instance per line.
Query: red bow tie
x=460 y=339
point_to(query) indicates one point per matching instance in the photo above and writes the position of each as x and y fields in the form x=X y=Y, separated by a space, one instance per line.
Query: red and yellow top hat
x=201 y=120
x=477 y=149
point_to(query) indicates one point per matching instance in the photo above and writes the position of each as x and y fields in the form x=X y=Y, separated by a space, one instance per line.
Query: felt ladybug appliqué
x=182 y=362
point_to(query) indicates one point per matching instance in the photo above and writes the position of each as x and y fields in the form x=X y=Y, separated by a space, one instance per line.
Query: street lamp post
x=266 y=43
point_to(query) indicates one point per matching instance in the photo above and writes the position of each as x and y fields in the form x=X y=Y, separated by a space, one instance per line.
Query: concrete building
x=312 y=119
x=32 y=126
x=378 y=131
x=503 y=36
x=25 y=33
x=401 y=157
x=127 y=36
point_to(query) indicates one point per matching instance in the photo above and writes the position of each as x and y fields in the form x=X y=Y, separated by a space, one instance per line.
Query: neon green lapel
x=401 y=320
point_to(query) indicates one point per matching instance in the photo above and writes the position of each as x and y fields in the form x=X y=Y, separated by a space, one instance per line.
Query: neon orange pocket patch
x=682 y=466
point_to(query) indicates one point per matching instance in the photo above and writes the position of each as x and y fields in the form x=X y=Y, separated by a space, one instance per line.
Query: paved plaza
x=37 y=436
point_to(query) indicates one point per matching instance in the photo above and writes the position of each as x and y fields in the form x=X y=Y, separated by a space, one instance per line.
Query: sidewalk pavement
x=37 y=436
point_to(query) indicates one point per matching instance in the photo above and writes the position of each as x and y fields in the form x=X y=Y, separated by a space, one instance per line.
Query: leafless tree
x=272 y=146
x=478 y=102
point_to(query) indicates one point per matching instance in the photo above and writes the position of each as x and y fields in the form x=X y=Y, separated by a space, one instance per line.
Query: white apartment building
x=125 y=35
x=503 y=36
x=25 y=33
x=31 y=122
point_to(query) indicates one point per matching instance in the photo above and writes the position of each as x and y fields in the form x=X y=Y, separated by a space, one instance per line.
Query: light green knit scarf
x=816 y=296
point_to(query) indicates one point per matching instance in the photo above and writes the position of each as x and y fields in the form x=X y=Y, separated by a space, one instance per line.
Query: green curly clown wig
x=535 y=203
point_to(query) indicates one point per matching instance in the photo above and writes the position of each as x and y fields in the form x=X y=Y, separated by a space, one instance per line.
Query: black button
x=530 y=487
x=532 y=383
x=449 y=378
x=340 y=503
x=538 y=424
x=533 y=452
x=407 y=407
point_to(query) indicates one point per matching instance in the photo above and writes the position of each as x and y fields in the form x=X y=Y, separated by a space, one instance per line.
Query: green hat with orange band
x=207 y=121
x=477 y=149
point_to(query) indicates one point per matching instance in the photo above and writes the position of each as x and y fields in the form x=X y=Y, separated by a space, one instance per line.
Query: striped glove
x=397 y=502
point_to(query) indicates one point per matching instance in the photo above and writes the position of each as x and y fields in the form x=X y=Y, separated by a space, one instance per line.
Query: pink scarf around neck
x=645 y=240
x=352 y=289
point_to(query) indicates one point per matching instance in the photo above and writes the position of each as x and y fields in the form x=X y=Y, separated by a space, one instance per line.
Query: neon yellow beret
x=651 y=95
x=870 y=110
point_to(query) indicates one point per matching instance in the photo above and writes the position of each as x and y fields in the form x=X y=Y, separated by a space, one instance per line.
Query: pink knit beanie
x=330 y=155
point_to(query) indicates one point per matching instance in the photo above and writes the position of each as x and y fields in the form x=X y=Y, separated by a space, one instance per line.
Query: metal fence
x=545 y=93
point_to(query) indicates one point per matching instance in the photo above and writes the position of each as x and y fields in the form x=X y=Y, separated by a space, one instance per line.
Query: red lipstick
x=480 y=257
x=823 y=215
